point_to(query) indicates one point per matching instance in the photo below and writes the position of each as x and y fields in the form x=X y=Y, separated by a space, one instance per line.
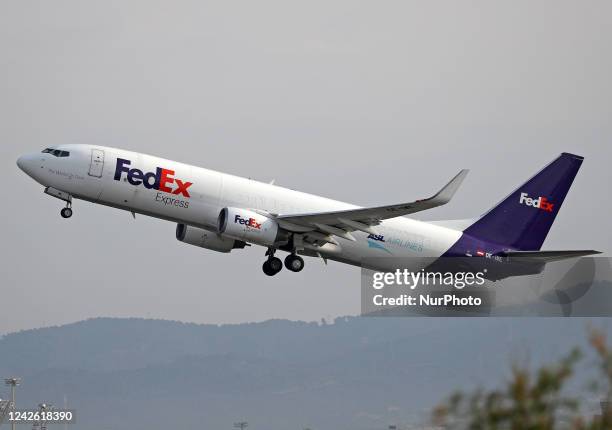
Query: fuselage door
x=97 y=163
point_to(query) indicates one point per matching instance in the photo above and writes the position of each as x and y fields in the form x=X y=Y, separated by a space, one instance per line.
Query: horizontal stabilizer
x=545 y=256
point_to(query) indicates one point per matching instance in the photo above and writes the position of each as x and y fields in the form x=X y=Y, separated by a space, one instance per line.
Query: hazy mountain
x=358 y=373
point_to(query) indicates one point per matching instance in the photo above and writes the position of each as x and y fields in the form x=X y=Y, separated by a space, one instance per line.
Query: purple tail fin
x=522 y=220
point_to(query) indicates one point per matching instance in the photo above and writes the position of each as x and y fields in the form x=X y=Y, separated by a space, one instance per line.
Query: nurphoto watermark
x=461 y=286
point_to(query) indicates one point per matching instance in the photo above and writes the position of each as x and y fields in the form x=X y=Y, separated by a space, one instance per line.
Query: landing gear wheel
x=275 y=264
x=293 y=262
x=66 y=212
x=272 y=266
x=267 y=270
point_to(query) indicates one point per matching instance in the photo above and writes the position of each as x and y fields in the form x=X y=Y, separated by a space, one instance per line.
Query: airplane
x=223 y=212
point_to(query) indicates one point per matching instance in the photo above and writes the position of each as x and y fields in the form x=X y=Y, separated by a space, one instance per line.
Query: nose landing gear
x=67 y=211
x=62 y=195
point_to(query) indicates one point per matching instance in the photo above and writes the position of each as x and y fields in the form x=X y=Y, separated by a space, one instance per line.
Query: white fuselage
x=194 y=196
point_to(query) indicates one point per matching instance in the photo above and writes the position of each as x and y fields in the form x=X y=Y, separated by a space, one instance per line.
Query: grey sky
x=367 y=102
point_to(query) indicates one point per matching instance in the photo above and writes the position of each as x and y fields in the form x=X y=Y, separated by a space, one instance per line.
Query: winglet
x=447 y=192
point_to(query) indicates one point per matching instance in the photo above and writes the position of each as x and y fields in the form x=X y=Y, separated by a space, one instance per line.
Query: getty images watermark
x=458 y=286
x=404 y=278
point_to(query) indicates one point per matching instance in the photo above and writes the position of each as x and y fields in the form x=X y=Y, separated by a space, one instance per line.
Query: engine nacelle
x=206 y=239
x=250 y=226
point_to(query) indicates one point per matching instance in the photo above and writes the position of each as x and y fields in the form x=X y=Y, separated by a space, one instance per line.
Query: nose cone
x=27 y=163
x=21 y=162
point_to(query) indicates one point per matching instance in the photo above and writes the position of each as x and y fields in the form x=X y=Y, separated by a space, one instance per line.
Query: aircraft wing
x=341 y=223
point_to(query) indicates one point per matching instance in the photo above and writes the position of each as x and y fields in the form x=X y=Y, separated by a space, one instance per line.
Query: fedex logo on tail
x=161 y=179
x=541 y=203
x=249 y=222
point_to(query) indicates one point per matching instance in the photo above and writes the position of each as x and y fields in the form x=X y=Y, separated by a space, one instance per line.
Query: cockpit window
x=56 y=152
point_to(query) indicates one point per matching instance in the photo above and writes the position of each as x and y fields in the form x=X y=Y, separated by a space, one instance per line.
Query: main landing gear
x=273 y=264
x=294 y=262
x=67 y=211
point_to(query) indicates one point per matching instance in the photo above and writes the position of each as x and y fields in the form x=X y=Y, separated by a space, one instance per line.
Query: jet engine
x=251 y=226
x=206 y=239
